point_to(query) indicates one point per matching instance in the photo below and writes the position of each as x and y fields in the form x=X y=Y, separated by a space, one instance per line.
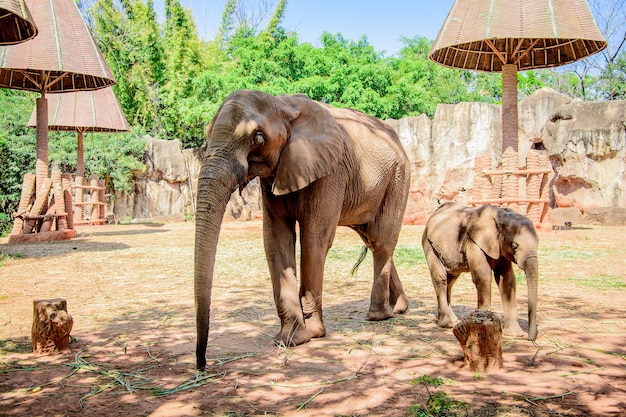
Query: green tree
x=128 y=35
x=183 y=61
x=17 y=150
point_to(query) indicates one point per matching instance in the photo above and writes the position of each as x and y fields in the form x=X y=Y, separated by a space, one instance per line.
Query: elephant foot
x=378 y=315
x=513 y=330
x=290 y=336
x=402 y=305
x=447 y=320
x=315 y=327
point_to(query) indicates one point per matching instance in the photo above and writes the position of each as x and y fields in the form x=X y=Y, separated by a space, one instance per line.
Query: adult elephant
x=319 y=167
x=481 y=240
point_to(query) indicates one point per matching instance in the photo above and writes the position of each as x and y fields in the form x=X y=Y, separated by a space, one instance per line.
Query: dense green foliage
x=170 y=83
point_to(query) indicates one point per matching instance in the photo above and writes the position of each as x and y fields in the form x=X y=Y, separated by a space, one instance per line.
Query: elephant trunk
x=219 y=177
x=531 y=269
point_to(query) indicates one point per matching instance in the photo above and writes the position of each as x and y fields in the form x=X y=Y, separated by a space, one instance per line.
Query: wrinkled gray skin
x=481 y=240
x=319 y=167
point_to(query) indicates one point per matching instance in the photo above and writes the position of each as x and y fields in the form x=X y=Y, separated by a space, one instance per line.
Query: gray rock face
x=587 y=146
x=585 y=141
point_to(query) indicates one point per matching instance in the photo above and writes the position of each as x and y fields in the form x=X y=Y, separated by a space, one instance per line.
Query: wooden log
x=509 y=200
x=40 y=205
x=28 y=190
x=51 y=326
x=78 y=200
x=59 y=198
x=520 y=172
x=48 y=218
x=480 y=336
x=66 y=182
x=44 y=216
x=95 y=210
x=101 y=199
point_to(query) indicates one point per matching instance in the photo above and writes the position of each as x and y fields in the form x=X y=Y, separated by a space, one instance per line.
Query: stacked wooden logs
x=501 y=185
x=44 y=207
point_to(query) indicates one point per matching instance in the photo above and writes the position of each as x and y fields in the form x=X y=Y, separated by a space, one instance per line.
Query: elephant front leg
x=481 y=271
x=505 y=278
x=315 y=243
x=280 y=252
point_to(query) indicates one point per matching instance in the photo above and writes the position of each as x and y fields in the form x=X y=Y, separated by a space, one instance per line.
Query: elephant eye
x=258 y=139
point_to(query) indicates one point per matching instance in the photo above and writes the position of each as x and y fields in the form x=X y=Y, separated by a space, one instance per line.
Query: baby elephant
x=481 y=240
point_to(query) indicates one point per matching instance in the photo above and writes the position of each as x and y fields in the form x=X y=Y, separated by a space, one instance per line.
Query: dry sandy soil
x=129 y=290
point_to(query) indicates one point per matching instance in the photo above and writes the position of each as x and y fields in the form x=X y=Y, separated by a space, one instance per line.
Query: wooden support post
x=480 y=336
x=59 y=199
x=101 y=198
x=79 y=199
x=51 y=325
x=95 y=209
x=28 y=190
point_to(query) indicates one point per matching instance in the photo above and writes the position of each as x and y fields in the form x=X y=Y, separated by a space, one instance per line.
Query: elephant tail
x=359 y=261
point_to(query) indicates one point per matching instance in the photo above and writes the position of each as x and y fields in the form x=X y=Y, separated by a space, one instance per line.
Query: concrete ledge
x=43 y=237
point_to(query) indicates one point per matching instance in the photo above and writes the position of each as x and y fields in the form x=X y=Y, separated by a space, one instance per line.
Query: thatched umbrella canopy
x=16 y=23
x=63 y=57
x=509 y=36
x=84 y=111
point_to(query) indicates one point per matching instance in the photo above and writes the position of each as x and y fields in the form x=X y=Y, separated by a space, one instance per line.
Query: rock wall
x=585 y=141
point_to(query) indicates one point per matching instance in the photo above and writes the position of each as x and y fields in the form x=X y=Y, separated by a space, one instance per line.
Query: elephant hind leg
x=397 y=297
x=442 y=281
x=387 y=296
x=381 y=306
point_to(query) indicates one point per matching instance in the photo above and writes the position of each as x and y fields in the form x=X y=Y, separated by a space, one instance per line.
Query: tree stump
x=480 y=336
x=51 y=326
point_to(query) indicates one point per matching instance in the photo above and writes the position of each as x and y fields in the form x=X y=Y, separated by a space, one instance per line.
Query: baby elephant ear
x=483 y=229
x=314 y=149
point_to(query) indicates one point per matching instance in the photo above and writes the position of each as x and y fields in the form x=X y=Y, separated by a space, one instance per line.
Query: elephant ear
x=482 y=228
x=314 y=149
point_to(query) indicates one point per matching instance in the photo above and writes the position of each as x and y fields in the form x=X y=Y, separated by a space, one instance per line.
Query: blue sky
x=384 y=22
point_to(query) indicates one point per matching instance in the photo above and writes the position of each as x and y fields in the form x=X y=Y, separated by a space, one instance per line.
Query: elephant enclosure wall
x=584 y=141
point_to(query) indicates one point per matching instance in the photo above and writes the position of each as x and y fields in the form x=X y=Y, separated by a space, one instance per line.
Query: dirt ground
x=129 y=289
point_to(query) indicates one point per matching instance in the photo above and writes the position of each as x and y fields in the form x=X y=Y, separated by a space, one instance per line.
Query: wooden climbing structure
x=523 y=189
x=45 y=210
x=51 y=210
x=89 y=201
